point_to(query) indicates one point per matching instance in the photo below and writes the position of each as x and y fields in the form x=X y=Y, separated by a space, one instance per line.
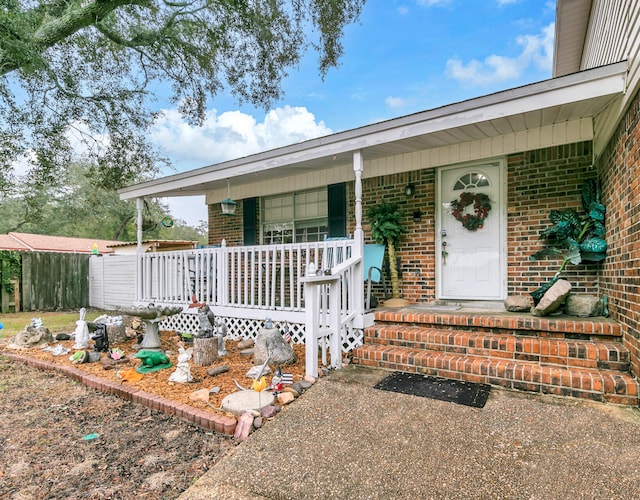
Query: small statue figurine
x=276 y=381
x=82 y=331
x=183 y=370
x=221 y=331
x=101 y=338
x=207 y=320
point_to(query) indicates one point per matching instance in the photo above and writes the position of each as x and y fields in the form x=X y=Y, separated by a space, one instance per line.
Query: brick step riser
x=577 y=329
x=568 y=353
x=603 y=386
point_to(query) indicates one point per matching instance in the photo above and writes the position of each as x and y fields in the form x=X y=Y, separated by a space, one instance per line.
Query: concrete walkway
x=344 y=439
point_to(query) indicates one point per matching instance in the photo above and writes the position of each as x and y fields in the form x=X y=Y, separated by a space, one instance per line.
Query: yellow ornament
x=259 y=385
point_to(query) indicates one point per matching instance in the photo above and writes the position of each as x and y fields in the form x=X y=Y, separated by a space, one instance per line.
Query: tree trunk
x=393 y=269
x=205 y=351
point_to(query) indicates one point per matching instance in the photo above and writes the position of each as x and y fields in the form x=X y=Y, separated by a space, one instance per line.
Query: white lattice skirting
x=239 y=328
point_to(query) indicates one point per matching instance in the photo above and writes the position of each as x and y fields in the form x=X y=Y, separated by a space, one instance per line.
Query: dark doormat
x=443 y=389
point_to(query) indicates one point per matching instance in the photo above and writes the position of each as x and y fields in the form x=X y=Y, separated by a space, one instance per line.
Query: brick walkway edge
x=207 y=420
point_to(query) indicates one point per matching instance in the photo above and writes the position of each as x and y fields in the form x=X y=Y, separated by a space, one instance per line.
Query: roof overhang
x=574 y=97
x=572 y=22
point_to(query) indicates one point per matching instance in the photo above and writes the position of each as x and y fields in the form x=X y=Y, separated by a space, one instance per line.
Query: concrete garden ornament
x=82 y=331
x=182 y=374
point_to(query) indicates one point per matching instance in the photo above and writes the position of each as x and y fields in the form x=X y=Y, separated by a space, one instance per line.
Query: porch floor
x=561 y=355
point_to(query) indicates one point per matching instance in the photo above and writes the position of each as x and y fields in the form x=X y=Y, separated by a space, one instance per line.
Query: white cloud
x=506 y=2
x=397 y=102
x=225 y=136
x=232 y=134
x=536 y=50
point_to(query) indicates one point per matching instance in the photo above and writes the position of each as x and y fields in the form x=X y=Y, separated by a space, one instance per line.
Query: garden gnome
x=221 y=331
x=82 y=331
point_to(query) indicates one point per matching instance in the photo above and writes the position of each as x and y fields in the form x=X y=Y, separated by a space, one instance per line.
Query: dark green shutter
x=250 y=221
x=337 y=210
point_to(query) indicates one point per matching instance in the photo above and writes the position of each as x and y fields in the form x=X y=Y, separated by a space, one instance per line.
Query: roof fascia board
x=597 y=82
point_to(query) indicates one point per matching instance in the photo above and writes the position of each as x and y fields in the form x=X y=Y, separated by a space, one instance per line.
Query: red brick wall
x=227 y=227
x=540 y=181
x=417 y=248
x=619 y=170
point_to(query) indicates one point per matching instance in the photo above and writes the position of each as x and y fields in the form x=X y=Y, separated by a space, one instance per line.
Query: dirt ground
x=48 y=427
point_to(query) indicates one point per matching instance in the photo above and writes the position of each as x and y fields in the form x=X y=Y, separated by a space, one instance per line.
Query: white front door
x=471 y=260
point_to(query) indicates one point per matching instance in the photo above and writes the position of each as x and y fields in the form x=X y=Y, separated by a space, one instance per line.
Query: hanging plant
x=481 y=209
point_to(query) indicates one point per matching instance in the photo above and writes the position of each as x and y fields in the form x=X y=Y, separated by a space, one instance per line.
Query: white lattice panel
x=239 y=328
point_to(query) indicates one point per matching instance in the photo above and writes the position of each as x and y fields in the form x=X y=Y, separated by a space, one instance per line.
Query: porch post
x=358 y=240
x=139 y=206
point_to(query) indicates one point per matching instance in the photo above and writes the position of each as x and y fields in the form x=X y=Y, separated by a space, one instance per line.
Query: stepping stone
x=242 y=401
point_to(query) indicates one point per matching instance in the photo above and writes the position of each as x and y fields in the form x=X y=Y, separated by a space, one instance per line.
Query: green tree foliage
x=80 y=208
x=91 y=65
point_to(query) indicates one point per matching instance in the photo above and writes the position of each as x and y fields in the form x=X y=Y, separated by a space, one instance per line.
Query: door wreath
x=481 y=208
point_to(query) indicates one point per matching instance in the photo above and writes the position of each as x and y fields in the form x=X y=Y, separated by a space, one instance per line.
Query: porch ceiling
x=558 y=100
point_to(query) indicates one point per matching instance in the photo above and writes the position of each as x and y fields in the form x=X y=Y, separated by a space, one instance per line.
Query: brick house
x=529 y=149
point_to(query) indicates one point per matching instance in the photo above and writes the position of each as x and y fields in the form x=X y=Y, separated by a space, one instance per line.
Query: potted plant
x=387 y=228
x=574 y=238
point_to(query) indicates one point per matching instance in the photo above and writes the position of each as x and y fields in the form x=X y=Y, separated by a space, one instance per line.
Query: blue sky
x=404 y=56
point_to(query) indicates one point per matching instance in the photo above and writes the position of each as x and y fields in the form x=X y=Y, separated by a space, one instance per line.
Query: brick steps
x=567 y=353
x=566 y=357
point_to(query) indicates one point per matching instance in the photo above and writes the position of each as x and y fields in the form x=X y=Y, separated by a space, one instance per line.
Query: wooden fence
x=53 y=281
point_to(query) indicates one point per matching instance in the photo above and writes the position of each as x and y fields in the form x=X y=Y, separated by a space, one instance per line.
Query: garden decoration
x=387 y=228
x=31 y=336
x=206 y=344
x=100 y=338
x=183 y=369
x=270 y=344
x=82 y=331
x=221 y=332
x=574 y=238
x=131 y=375
x=152 y=361
x=481 y=209
x=116 y=354
x=151 y=316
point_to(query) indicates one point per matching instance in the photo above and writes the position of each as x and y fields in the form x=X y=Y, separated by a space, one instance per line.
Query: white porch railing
x=249 y=284
x=333 y=300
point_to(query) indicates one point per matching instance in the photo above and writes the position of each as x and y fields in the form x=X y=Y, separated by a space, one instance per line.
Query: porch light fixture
x=409 y=189
x=228 y=206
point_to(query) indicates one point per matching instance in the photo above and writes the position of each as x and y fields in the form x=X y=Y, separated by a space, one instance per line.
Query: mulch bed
x=60 y=439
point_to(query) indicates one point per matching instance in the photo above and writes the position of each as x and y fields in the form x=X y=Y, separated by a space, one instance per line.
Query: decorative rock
x=517 y=303
x=245 y=344
x=305 y=384
x=258 y=371
x=247 y=352
x=214 y=390
x=200 y=395
x=217 y=370
x=258 y=422
x=63 y=336
x=291 y=390
x=271 y=344
x=242 y=401
x=285 y=398
x=554 y=297
x=244 y=426
x=584 y=306
x=298 y=388
x=310 y=379
x=269 y=411
x=109 y=364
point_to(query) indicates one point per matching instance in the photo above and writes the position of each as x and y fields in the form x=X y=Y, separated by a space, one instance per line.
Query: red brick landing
x=557 y=355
